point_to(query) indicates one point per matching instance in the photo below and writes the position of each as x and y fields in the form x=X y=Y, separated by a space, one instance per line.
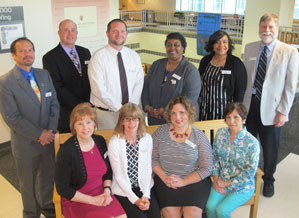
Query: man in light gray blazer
x=269 y=95
x=30 y=108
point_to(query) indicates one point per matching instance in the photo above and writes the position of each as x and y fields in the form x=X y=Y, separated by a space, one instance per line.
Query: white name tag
x=176 y=76
x=226 y=72
x=188 y=142
x=86 y=62
x=252 y=58
x=48 y=94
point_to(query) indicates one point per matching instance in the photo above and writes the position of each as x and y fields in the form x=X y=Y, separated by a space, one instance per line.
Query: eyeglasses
x=128 y=119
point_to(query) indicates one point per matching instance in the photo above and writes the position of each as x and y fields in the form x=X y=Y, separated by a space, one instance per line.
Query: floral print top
x=236 y=162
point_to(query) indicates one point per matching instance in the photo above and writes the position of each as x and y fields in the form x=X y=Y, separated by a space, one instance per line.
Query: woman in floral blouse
x=236 y=157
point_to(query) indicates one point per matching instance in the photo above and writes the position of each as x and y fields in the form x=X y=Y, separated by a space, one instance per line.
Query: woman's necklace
x=87 y=147
x=177 y=135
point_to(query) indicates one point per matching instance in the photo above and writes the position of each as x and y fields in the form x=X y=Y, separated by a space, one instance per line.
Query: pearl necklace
x=175 y=134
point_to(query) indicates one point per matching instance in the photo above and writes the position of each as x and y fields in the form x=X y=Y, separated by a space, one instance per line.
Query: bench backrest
x=208 y=127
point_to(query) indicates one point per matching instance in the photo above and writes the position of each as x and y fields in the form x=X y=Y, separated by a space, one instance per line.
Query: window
x=212 y=6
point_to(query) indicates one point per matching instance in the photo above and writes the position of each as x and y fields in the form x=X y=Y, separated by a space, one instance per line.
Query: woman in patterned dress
x=182 y=162
x=236 y=157
x=83 y=173
x=223 y=76
x=130 y=152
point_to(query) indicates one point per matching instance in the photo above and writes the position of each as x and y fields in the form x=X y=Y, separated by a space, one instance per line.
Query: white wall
x=38 y=28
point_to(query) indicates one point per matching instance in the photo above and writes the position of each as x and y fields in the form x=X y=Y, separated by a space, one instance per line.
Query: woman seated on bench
x=236 y=157
x=182 y=162
x=83 y=174
x=130 y=154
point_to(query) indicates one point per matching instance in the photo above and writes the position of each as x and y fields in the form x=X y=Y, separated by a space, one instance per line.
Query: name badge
x=252 y=58
x=228 y=72
x=48 y=94
x=86 y=62
x=173 y=81
x=188 y=142
x=105 y=155
x=176 y=76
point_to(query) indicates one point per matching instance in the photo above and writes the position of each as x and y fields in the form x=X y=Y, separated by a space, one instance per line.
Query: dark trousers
x=133 y=211
x=269 y=137
x=36 y=177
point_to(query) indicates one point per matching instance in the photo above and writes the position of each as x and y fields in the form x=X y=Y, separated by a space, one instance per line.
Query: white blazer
x=118 y=159
x=280 y=81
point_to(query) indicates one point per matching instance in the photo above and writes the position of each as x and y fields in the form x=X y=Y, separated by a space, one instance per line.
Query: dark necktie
x=261 y=73
x=123 y=80
x=76 y=61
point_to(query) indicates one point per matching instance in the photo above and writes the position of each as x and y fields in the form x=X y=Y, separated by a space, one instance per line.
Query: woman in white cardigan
x=130 y=155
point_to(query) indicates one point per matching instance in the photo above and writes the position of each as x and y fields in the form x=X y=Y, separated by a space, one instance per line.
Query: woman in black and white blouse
x=130 y=151
x=223 y=76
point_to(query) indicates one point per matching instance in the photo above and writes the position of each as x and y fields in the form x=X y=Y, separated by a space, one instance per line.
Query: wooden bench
x=208 y=127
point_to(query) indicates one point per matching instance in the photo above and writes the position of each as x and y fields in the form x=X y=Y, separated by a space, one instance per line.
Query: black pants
x=133 y=211
x=269 y=137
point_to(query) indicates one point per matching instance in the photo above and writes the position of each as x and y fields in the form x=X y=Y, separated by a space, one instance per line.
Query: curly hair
x=190 y=108
x=179 y=36
x=214 y=38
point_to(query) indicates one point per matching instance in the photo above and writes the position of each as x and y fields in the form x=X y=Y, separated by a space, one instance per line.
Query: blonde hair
x=190 y=108
x=130 y=110
x=81 y=110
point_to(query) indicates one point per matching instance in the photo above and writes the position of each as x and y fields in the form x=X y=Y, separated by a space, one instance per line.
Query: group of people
x=78 y=93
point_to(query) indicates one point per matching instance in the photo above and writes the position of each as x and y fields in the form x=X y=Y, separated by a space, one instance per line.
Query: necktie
x=261 y=73
x=34 y=87
x=76 y=61
x=123 y=80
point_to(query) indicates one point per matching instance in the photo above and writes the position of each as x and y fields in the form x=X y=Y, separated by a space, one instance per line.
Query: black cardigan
x=70 y=170
x=235 y=83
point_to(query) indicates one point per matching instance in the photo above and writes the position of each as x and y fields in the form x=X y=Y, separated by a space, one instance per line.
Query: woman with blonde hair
x=130 y=152
x=83 y=173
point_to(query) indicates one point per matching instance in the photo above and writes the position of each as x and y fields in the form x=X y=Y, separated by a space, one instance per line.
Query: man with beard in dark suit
x=67 y=65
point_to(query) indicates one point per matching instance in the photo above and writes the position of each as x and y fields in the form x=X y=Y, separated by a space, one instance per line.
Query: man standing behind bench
x=67 y=65
x=115 y=75
x=30 y=108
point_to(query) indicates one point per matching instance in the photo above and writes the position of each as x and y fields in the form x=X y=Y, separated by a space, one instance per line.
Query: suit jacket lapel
x=66 y=59
x=275 y=58
x=23 y=83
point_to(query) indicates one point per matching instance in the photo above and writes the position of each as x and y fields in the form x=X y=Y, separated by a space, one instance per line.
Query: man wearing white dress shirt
x=107 y=83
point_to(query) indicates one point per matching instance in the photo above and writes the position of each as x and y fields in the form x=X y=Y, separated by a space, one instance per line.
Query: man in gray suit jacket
x=30 y=108
x=272 y=68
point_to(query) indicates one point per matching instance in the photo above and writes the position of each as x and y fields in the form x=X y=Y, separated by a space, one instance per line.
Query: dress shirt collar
x=114 y=51
x=239 y=136
x=269 y=46
x=68 y=50
x=26 y=73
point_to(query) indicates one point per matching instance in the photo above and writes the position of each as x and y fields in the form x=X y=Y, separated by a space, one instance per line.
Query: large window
x=212 y=6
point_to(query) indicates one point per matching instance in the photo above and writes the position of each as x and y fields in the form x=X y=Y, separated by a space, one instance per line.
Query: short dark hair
x=115 y=20
x=186 y=102
x=239 y=107
x=179 y=36
x=13 y=44
x=214 y=38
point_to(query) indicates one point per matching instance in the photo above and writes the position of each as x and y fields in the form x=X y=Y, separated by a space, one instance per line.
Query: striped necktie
x=34 y=86
x=261 y=73
x=76 y=61
x=123 y=80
